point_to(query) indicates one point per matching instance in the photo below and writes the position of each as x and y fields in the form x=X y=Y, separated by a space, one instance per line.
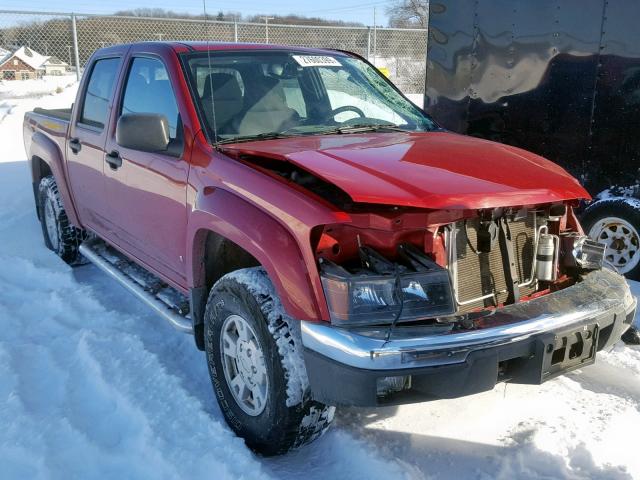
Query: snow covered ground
x=94 y=386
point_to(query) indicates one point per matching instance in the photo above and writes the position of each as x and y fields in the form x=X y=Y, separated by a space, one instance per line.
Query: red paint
x=426 y=170
x=158 y=209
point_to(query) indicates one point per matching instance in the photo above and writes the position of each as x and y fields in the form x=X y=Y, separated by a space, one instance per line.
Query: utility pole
x=266 y=27
x=375 y=36
x=76 y=53
x=235 y=28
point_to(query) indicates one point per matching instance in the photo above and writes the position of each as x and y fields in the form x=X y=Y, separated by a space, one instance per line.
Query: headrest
x=222 y=86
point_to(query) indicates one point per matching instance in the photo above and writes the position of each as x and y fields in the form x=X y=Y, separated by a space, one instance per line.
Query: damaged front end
x=443 y=304
x=386 y=268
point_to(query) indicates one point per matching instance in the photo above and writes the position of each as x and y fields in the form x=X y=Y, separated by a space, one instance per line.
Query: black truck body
x=557 y=77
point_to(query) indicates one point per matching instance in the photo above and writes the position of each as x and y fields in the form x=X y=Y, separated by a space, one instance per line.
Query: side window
x=148 y=90
x=98 y=93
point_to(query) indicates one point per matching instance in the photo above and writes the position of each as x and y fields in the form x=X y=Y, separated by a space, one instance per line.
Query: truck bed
x=58 y=113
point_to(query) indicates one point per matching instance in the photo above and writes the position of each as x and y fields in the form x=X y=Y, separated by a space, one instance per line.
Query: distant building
x=25 y=64
x=55 y=66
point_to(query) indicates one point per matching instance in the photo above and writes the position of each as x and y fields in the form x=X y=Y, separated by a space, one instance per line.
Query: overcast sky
x=347 y=10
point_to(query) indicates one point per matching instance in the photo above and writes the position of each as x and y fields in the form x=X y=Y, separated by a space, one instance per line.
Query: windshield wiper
x=259 y=136
x=365 y=127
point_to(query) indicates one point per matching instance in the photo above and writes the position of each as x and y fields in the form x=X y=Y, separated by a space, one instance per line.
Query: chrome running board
x=160 y=297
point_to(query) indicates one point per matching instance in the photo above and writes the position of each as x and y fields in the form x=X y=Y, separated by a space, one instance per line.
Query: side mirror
x=147 y=132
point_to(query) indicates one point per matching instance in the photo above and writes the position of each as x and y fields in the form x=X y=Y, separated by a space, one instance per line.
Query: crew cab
x=323 y=239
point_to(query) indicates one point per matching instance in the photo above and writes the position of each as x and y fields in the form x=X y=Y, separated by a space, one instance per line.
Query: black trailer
x=558 y=77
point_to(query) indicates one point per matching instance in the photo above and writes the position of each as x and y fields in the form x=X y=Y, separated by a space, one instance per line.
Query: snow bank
x=31 y=88
x=94 y=386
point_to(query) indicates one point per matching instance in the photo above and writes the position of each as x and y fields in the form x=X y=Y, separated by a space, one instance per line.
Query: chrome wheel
x=51 y=224
x=243 y=365
x=622 y=242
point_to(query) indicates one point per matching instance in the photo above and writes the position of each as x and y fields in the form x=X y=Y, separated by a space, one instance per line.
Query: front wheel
x=255 y=362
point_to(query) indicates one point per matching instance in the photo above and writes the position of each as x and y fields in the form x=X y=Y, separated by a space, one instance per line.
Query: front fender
x=262 y=236
x=49 y=152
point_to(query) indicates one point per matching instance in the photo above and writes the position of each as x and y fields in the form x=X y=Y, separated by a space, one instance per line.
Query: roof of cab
x=187 y=47
x=204 y=46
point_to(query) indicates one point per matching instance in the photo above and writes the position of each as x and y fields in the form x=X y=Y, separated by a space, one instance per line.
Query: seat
x=222 y=94
x=269 y=112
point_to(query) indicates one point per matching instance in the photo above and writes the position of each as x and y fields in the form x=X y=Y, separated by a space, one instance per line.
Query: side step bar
x=94 y=251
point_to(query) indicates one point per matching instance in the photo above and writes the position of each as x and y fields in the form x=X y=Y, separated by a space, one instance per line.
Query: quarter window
x=99 y=88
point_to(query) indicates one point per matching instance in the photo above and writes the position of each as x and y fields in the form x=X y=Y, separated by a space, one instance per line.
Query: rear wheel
x=256 y=366
x=616 y=224
x=59 y=235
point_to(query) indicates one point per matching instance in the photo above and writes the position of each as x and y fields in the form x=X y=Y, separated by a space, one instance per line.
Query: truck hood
x=436 y=170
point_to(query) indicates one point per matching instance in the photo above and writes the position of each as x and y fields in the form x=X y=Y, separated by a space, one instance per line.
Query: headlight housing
x=369 y=299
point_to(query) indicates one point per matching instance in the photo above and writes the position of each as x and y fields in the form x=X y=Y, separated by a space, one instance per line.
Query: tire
x=59 y=235
x=616 y=223
x=287 y=417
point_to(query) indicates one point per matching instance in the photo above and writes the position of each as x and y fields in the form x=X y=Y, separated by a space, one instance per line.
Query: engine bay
x=406 y=266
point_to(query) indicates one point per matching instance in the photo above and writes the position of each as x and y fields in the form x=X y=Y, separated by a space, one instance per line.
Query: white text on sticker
x=316 y=61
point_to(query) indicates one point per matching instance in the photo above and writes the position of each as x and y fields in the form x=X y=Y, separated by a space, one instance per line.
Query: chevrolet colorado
x=324 y=241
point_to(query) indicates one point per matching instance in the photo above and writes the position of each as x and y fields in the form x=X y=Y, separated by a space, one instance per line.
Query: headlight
x=376 y=299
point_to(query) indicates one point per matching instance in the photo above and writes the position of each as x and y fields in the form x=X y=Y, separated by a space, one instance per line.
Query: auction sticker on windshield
x=316 y=61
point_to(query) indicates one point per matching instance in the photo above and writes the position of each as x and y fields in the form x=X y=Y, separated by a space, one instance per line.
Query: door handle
x=113 y=159
x=75 y=145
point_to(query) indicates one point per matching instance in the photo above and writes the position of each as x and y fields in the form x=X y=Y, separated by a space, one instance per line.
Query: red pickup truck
x=324 y=241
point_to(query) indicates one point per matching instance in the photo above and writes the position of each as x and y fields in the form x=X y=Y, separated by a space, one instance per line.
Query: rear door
x=147 y=191
x=85 y=146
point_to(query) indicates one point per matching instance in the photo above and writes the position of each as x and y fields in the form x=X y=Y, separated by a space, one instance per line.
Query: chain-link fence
x=73 y=38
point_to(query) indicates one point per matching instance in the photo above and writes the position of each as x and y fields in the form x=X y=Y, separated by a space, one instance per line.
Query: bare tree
x=409 y=13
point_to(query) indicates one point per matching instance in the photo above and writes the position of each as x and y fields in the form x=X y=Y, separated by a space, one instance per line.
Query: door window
x=98 y=93
x=148 y=90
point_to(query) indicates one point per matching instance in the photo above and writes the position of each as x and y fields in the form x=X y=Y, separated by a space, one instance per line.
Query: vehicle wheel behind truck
x=59 y=235
x=616 y=223
x=254 y=354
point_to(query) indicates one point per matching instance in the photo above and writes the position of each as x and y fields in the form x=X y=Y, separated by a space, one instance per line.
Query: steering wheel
x=346 y=108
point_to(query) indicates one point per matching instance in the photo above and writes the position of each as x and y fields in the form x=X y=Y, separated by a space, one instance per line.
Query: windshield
x=272 y=94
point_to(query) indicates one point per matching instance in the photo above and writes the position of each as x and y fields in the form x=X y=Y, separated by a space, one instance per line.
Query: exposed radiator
x=482 y=274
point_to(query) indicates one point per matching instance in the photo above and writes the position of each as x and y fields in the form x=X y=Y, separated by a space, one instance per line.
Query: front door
x=147 y=190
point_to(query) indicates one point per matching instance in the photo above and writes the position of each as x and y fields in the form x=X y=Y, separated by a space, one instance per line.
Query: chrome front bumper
x=602 y=297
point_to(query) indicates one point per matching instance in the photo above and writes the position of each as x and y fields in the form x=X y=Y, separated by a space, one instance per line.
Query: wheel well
x=39 y=170
x=219 y=257
x=222 y=256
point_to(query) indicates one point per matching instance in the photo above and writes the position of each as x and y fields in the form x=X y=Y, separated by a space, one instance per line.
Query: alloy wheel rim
x=621 y=240
x=244 y=365
x=50 y=224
